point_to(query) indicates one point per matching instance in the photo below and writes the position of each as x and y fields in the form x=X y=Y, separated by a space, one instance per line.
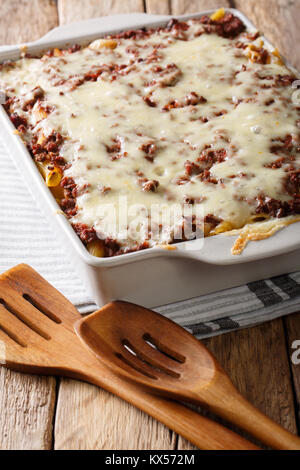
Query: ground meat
x=269 y=102
x=188 y=200
x=212 y=157
x=292 y=183
x=277 y=81
x=133 y=33
x=193 y=200
x=228 y=27
x=22 y=129
x=177 y=29
x=275 y=208
x=149 y=101
x=206 y=177
x=192 y=99
x=86 y=234
x=168 y=75
x=208 y=158
x=192 y=168
x=176 y=24
x=150 y=185
x=283 y=145
x=49 y=149
x=29 y=100
x=104 y=189
x=92 y=75
x=68 y=205
x=8 y=101
x=111 y=72
x=75 y=83
x=115 y=150
x=18 y=120
x=115 y=147
x=58 y=160
x=74 y=48
x=284 y=80
x=221 y=113
x=212 y=221
x=68 y=182
x=112 y=247
x=155 y=56
x=53 y=142
x=70 y=190
x=262 y=56
x=181 y=180
x=241 y=45
x=276 y=164
x=150 y=150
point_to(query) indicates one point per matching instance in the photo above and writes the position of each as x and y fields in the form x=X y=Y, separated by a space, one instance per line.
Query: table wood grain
x=53 y=413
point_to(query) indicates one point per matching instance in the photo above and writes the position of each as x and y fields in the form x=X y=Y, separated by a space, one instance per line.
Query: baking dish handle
x=218 y=249
x=105 y=24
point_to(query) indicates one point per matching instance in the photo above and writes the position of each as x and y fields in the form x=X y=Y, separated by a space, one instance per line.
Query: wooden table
x=52 y=413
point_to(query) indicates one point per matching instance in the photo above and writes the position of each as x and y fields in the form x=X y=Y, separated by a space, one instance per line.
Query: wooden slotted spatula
x=36 y=328
x=156 y=353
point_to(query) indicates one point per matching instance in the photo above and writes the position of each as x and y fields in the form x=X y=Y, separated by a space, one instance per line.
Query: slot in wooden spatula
x=156 y=353
x=36 y=327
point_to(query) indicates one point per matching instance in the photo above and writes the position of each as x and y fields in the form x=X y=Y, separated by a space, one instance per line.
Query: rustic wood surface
x=182 y=7
x=292 y=330
x=280 y=22
x=257 y=359
x=74 y=10
x=26 y=20
x=89 y=418
x=158 y=7
x=27 y=411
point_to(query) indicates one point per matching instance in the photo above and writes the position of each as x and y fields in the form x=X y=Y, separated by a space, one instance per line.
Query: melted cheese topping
x=259 y=231
x=108 y=127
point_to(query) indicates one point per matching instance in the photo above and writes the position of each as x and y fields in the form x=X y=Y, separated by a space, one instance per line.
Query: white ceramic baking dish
x=155 y=276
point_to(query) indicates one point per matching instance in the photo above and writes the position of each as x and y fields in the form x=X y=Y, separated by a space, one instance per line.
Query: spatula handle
x=225 y=401
x=202 y=432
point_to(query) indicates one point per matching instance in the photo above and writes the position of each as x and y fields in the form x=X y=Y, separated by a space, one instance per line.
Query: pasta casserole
x=199 y=113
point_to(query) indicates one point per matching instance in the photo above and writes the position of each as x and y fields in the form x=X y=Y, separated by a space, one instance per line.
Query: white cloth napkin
x=26 y=238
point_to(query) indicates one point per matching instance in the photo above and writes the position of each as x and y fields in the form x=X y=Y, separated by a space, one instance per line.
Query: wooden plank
x=256 y=360
x=158 y=7
x=182 y=7
x=87 y=417
x=27 y=402
x=292 y=325
x=26 y=20
x=280 y=22
x=27 y=408
x=74 y=10
x=90 y=418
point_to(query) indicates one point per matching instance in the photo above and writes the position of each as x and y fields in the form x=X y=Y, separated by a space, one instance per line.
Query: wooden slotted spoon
x=156 y=353
x=36 y=328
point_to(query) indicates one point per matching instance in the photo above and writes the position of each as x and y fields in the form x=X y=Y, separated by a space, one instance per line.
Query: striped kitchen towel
x=26 y=238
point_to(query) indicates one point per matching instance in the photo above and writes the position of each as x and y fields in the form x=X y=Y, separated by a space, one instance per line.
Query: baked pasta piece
x=198 y=113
